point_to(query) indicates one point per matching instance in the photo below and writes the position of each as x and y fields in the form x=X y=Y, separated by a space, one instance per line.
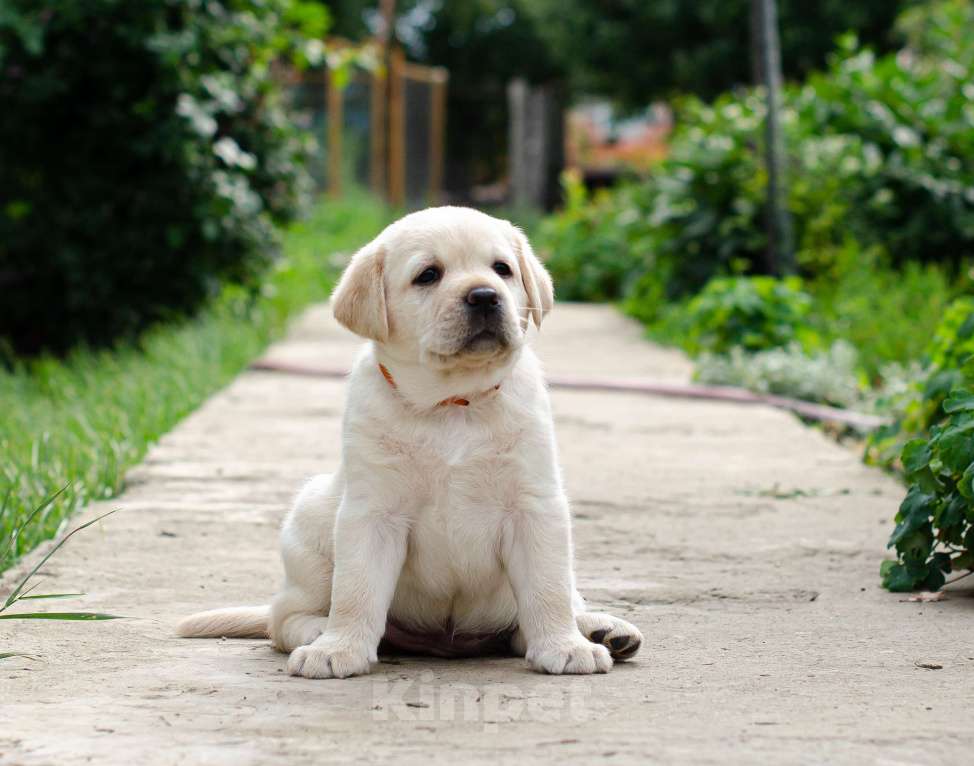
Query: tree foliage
x=637 y=51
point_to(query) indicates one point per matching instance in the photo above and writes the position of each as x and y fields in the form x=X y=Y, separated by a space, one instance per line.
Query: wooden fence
x=391 y=142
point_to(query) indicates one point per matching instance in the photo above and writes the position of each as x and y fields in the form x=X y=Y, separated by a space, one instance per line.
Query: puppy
x=446 y=529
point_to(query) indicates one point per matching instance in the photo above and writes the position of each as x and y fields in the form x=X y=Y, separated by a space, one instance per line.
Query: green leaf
x=60 y=616
x=960 y=400
x=926 y=481
x=935 y=580
x=915 y=511
x=940 y=384
x=914 y=548
x=962 y=562
x=966 y=484
x=916 y=455
x=956 y=447
x=966 y=329
x=896 y=578
x=949 y=519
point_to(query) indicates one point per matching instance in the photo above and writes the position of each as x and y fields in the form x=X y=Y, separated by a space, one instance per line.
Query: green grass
x=84 y=420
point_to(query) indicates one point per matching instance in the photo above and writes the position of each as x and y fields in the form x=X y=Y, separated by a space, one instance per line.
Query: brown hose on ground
x=808 y=410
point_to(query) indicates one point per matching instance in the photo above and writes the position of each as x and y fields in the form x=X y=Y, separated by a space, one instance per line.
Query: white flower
x=232 y=155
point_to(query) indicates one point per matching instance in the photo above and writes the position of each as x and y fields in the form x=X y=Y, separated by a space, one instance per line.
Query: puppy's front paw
x=328 y=658
x=570 y=654
x=621 y=638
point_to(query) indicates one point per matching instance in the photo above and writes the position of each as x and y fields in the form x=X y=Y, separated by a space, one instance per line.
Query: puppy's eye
x=428 y=276
x=503 y=269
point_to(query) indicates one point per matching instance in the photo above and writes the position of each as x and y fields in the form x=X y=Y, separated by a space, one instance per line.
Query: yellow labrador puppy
x=446 y=529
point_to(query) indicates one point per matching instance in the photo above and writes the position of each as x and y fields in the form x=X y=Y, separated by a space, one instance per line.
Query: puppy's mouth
x=487 y=339
x=480 y=344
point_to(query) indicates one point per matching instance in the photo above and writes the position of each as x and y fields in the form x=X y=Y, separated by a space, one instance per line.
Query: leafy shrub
x=888 y=314
x=753 y=314
x=699 y=215
x=934 y=534
x=881 y=163
x=592 y=248
x=912 y=108
x=949 y=364
x=830 y=376
x=145 y=157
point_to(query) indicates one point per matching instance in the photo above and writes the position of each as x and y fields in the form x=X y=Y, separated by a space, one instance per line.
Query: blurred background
x=783 y=189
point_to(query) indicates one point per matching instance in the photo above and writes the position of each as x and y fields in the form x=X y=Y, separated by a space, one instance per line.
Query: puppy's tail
x=232 y=622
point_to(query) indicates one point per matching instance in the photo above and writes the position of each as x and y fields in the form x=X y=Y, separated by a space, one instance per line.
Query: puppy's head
x=449 y=287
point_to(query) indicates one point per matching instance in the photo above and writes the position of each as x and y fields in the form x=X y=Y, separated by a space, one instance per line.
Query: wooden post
x=535 y=143
x=757 y=46
x=437 y=133
x=397 y=130
x=781 y=256
x=377 y=133
x=336 y=120
x=379 y=126
x=517 y=97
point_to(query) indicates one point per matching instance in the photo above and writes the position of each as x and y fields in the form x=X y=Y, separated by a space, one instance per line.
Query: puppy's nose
x=484 y=298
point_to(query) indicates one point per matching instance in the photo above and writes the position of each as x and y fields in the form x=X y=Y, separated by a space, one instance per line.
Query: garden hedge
x=145 y=159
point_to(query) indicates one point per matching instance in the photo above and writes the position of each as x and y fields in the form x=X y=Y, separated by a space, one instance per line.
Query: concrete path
x=745 y=545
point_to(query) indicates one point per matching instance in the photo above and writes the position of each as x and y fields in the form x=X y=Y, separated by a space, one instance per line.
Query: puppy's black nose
x=484 y=298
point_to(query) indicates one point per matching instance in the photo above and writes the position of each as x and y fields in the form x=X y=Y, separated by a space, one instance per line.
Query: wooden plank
x=437 y=134
x=336 y=119
x=397 y=130
x=377 y=132
x=421 y=73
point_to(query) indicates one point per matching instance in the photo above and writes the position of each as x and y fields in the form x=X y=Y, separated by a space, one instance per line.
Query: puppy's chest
x=455 y=459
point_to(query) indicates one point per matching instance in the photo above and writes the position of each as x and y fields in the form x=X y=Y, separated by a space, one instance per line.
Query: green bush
x=145 y=158
x=888 y=314
x=880 y=188
x=881 y=155
x=934 y=534
x=913 y=109
x=701 y=212
x=594 y=247
x=751 y=313
x=949 y=363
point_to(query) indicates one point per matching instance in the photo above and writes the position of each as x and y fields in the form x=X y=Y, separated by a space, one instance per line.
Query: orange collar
x=458 y=400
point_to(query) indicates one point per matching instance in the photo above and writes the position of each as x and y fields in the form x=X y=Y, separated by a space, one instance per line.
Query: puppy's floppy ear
x=536 y=280
x=359 y=300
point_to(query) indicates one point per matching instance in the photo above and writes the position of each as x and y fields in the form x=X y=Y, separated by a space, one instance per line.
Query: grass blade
x=50 y=595
x=16 y=592
x=8 y=554
x=13 y=535
x=7 y=655
x=60 y=616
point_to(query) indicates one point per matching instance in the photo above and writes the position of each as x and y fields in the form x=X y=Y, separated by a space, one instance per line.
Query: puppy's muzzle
x=485 y=326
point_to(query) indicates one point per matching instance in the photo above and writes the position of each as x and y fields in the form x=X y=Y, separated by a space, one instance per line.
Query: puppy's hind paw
x=570 y=655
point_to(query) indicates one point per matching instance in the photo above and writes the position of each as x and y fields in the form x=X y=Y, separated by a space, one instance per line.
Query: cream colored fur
x=440 y=515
